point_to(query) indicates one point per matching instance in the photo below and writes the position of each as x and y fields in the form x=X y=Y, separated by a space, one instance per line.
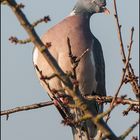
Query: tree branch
x=126 y=61
x=25 y=108
x=44 y=19
x=129 y=70
x=100 y=100
x=17 y=41
x=128 y=131
x=108 y=99
x=80 y=101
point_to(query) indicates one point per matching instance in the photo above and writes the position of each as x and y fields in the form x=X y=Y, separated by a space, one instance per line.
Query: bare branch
x=126 y=61
x=131 y=108
x=108 y=99
x=17 y=41
x=80 y=101
x=27 y=107
x=134 y=82
x=105 y=99
x=128 y=131
x=44 y=19
x=48 y=77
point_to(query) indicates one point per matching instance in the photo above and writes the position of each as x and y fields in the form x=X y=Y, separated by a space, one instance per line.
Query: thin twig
x=82 y=55
x=44 y=19
x=119 y=32
x=74 y=63
x=128 y=131
x=131 y=108
x=104 y=99
x=55 y=94
x=27 y=107
x=134 y=82
x=108 y=99
x=48 y=77
x=124 y=58
x=118 y=90
x=17 y=41
x=77 y=97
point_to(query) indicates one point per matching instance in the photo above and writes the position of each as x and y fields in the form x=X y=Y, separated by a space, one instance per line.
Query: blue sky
x=20 y=85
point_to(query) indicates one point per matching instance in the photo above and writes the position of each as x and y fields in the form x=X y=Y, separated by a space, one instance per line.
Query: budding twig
x=108 y=99
x=27 y=107
x=44 y=19
x=17 y=41
x=129 y=70
x=126 y=60
x=77 y=97
x=131 y=108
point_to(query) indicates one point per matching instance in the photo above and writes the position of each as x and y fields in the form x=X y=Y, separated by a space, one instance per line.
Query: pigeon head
x=90 y=7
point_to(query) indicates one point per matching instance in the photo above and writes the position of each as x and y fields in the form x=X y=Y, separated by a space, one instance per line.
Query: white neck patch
x=35 y=56
x=72 y=13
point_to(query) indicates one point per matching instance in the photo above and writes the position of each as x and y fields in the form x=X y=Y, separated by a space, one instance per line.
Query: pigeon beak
x=105 y=11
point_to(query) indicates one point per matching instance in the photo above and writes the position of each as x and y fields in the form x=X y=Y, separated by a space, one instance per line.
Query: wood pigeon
x=91 y=69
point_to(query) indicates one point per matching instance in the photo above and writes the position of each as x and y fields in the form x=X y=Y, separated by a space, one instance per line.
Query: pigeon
x=90 y=71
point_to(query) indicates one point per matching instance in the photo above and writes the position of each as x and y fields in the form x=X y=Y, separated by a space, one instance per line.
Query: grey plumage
x=91 y=69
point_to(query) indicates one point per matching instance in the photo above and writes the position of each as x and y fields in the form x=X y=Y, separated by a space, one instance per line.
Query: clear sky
x=20 y=85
